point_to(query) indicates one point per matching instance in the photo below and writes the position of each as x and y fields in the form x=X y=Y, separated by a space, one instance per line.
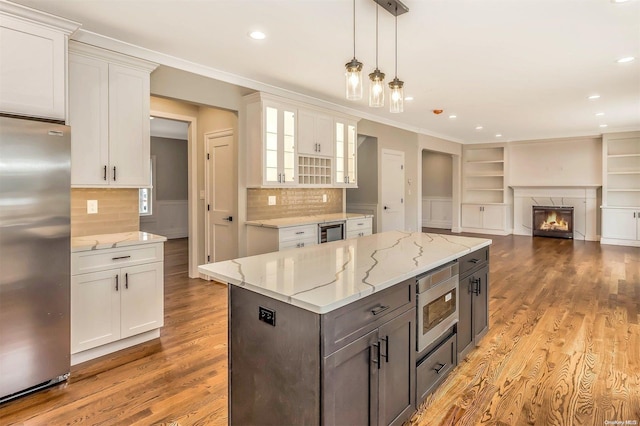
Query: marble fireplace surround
x=583 y=199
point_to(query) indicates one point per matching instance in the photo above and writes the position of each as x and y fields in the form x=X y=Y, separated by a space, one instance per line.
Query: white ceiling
x=521 y=68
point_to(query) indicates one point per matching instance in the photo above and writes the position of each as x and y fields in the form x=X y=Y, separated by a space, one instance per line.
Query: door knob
x=228 y=219
x=386 y=208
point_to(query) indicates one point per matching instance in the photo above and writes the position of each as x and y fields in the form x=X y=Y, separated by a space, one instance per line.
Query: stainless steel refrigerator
x=34 y=255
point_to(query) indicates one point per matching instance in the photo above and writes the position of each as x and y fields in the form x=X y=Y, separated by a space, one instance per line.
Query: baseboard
x=90 y=354
x=436 y=224
x=501 y=232
x=456 y=229
x=617 y=242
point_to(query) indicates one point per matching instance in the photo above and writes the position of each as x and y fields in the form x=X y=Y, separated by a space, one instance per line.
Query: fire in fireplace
x=553 y=221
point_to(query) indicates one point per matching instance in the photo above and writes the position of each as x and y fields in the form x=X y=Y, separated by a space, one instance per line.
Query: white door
x=392 y=177
x=219 y=185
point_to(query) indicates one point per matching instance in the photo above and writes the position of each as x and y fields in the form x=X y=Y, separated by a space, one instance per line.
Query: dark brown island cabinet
x=473 y=322
x=351 y=366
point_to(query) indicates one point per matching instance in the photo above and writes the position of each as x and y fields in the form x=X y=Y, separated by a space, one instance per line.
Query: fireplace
x=552 y=221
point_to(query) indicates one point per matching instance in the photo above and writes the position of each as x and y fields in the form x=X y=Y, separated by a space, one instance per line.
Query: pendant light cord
x=377 y=7
x=396 y=41
x=354 y=28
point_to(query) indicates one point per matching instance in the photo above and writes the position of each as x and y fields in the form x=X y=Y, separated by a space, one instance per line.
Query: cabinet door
x=465 y=317
x=397 y=369
x=350 y=384
x=32 y=69
x=481 y=304
x=346 y=153
x=619 y=224
x=493 y=217
x=95 y=309
x=129 y=143
x=471 y=216
x=279 y=144
x=89 y=120
x=307 y=141
x=142 y=298
x=324 y=135
x=352 y=153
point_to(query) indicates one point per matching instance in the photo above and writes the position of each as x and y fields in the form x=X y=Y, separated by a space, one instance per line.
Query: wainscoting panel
x=170 y=218
x=436 y=212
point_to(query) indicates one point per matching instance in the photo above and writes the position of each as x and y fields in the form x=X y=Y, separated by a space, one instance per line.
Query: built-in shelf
x=484 y=161
x=314 y=170
x=483 y=175
x=622 y=155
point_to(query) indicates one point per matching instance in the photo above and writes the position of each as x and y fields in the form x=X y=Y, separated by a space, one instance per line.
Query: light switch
x=272 y=200
x=324 y=198
x=92 y=206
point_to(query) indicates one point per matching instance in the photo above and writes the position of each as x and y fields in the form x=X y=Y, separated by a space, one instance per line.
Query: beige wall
x=367 y=191
x=117 y=211
x=292 y=202
x=437 y=174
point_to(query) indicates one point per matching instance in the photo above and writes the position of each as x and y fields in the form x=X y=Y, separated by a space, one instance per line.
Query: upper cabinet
x=346 y=153
x=32 y=62
x=290 y=144
x=109 y=115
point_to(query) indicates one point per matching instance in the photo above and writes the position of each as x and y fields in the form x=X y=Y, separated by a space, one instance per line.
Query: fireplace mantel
x=583 y=198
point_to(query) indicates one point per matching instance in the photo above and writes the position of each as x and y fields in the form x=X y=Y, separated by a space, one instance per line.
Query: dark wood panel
x=563 y=347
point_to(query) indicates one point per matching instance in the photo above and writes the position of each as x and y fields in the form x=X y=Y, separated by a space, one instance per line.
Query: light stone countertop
x=121 y=239
x=305 y=220
x=325 y=277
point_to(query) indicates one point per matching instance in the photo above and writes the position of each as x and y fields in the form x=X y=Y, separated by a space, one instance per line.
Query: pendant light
x=397 y=91
x=354 y=69
x=376 y=88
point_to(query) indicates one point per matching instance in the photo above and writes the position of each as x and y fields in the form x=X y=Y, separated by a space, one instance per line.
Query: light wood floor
x=563 y=349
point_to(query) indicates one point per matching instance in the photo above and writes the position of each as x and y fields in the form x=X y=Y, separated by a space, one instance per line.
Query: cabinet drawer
x=298 y=243
x=475 y=260
x=346 y=324
x=97 y=260
x=359 y=233
x=432 y=370
x=298 y=233
x=359 y=224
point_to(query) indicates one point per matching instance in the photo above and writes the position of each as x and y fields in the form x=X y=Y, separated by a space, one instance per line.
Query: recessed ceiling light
x=257 y=35
x=408 y=98
x=619 y=1
x=594 y=97
x=453 y=116
x=626 y=60
x=603 y=125
x=151 y=118
x=599 y=114
x=498 y=135
x=479 y=127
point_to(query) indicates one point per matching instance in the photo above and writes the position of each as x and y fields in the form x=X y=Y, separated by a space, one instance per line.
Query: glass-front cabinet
x=280 y=145
x=345 y=153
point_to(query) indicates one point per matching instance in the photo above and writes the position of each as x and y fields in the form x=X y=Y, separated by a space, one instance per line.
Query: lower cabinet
x=359 y=227
x=473 y=322
x=487 y=218
x=370 y=381
x=115 y=302
x=262 y=239
x=621 y=226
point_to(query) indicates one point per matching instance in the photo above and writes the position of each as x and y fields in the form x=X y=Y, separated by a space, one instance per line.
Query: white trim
x=428 y=204
x=192 y=183
x=616 y=242
x=86 y=50
x=118 y=345
x=25 y=13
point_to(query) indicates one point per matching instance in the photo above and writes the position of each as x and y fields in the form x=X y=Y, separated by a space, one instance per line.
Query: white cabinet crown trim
x=63 y=25
x=90 y=51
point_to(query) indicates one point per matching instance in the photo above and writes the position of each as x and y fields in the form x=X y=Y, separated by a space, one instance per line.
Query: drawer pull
x=120 y=257
x=439 y=368
x=361 y=224
x=474 y=260
x=379 y=310
x=299 y=232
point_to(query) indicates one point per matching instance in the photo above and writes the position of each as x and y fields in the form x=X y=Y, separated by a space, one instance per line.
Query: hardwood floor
x=563 y=348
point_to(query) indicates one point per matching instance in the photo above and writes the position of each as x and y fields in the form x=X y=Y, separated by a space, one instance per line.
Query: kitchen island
x=326 y=334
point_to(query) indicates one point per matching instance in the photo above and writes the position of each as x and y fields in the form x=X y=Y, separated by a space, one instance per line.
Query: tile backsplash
x=117 y=211
x=292 y=202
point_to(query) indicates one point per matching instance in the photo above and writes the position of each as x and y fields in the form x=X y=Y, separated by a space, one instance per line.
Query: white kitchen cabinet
x=485 y=218
x=33 y=62
x=109 y=114
x=261 y=239
x=621 y=226
x=271 y=137
x=346 y=153
x=315 y=133
x=116 y=295
x=359 y=227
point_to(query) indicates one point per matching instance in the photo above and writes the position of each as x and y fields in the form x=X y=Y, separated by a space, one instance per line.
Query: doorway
x=437 y=190
x=392 y=190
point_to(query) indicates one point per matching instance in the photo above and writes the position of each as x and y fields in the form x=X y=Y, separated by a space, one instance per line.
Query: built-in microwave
x=330 y=231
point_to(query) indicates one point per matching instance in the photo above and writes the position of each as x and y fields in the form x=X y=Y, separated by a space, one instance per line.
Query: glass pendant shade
x=376 y=89
x=397 y=96
x=353 y=77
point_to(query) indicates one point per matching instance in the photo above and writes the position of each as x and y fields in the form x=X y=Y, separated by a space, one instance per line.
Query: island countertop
x=325 y=277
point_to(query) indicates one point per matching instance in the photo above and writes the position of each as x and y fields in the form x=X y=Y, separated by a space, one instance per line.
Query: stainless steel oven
x=330 y=231
x=437 y=304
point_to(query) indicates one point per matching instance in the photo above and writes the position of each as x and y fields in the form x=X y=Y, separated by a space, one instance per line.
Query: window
x=145 y=195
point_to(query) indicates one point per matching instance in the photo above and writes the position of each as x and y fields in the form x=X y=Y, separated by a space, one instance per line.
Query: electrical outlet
x=272 y=200
x=324 y=198
x=92 y=206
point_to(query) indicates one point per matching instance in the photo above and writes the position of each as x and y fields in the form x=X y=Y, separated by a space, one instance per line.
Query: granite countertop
x=305 y=220
x=121 y=239
x=325 y=277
